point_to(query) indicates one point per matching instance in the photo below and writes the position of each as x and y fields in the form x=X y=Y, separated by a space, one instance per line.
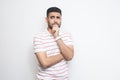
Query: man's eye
x=52 y=17
x=58 y=17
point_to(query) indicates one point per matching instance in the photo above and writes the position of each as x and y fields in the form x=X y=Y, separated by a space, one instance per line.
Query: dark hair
x=53 y=9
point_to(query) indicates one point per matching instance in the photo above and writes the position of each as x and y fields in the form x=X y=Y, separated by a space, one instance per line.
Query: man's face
x=54 y=19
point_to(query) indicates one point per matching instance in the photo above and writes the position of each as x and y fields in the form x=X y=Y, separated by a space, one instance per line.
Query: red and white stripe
x=44 y=41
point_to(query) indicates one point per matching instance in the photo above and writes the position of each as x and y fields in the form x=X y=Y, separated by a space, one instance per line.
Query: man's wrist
x=57 y=38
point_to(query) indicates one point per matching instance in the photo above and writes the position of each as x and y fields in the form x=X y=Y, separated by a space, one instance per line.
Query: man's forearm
x=48 y=61
x=54 y=59
x=67 y=52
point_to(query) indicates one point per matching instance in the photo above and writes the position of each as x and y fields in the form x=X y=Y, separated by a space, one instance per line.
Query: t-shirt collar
x=48 y=32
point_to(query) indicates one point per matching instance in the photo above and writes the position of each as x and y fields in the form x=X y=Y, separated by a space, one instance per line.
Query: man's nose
x=55 y=20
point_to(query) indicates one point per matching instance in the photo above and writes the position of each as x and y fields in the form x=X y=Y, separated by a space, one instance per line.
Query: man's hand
x=55 y=30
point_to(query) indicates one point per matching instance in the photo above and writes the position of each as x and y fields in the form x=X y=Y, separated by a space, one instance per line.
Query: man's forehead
x=54 y=14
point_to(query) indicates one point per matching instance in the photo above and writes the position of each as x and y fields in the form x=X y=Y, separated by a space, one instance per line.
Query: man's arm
x=48 y=61
x=67 y=51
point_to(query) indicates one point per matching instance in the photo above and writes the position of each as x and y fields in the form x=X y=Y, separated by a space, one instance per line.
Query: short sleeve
x=67 y=39
x=38 y=44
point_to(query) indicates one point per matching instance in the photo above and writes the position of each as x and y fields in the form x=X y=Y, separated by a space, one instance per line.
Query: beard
x=52 y=25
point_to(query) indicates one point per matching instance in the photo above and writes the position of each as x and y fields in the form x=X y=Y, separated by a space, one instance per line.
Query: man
x=53 y=48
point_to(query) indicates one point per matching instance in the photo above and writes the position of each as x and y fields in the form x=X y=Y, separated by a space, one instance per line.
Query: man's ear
x=46 y=19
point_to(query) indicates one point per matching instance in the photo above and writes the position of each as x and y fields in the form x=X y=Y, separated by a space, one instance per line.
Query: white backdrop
x=94 y=25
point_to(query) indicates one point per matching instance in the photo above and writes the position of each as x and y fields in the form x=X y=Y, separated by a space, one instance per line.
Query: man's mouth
x=56 y=25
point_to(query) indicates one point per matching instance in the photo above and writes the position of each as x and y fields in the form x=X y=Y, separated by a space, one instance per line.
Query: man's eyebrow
x=57 y=16
x=52 y=16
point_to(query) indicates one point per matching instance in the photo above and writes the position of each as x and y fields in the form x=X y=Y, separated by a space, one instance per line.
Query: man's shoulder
x=40 y=34
x=63 y=32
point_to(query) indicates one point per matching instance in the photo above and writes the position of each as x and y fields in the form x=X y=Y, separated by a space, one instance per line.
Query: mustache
x=55 y=23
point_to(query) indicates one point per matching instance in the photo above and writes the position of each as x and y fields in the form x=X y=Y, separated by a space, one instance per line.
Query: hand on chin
x=55 y=30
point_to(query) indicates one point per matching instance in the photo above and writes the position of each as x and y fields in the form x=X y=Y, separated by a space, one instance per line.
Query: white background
x=94 y=25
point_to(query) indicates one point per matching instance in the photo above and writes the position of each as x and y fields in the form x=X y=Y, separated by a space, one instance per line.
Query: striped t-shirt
x=44 y=41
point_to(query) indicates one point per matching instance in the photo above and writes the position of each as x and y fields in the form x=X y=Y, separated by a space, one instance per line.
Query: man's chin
x=51 y=27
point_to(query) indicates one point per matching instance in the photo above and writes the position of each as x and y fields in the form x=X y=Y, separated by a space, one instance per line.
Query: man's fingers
x=56 y=28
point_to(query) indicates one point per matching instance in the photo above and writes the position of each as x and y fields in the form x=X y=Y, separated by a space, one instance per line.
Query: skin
x=67 y=52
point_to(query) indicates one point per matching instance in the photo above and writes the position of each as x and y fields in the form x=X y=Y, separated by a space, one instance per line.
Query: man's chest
x=51 y=46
